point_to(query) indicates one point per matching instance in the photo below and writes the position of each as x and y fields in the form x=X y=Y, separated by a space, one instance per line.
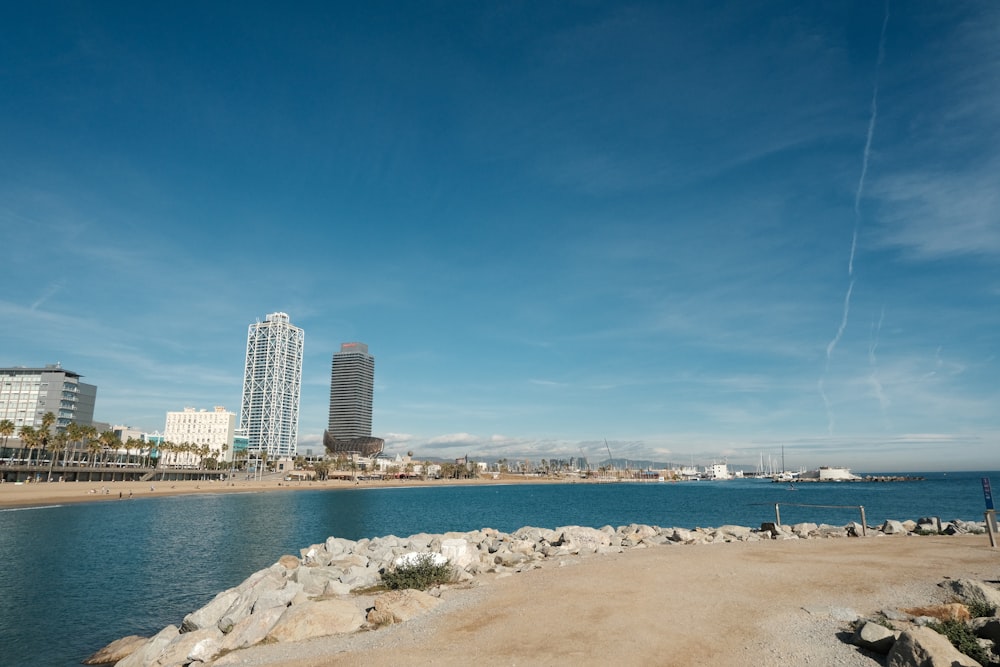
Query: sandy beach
x=57 y=493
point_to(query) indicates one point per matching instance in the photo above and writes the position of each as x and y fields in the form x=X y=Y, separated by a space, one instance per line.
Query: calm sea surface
x=76 y=577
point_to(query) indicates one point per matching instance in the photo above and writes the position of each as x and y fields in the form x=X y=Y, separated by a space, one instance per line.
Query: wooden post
x=864 y=524
x=777 y=515
x=991 y=526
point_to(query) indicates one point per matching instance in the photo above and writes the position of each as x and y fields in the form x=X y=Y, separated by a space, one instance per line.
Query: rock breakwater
x=318 y=592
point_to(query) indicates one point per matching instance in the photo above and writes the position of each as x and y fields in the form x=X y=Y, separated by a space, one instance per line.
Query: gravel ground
x=766 y=603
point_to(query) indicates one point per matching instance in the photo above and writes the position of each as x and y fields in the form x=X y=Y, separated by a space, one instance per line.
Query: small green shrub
x=980 y=608
x=961 y=637
x=881 y=619
x=421 y=574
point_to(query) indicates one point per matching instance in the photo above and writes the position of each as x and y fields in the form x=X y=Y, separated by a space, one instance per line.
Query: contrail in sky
x=868 y=142
x=832 y=345
x=49 y=292
x=873 y=363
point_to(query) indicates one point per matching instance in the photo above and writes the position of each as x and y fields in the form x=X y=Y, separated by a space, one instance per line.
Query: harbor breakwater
x=316 y=593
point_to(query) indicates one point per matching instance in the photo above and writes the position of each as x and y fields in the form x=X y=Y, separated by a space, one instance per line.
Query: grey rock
x=405 y=605
x=893 y=527
x=201 y=645
x=923 y=647
x=117 y=650
x=209 y=615
x=874 y=637
x=280 y=597
x=250 y=590
x=734 y=531
x=804 y=529
x=933 y=523
x=971 y=590
x=583 y=540
x=149 y=652
x=314 y=580
x=317 y=619
x=987 y=627
x=251 y=630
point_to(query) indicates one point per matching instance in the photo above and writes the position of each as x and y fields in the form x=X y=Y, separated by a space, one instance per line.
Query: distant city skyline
x=700 y=232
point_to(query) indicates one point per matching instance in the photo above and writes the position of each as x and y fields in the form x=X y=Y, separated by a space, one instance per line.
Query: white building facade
x=200 y=428
x=272 y=386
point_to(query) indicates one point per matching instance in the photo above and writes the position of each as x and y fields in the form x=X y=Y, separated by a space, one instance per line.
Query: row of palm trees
x=101 y=447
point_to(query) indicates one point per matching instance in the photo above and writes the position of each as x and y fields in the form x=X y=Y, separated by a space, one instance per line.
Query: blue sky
x=699 y=231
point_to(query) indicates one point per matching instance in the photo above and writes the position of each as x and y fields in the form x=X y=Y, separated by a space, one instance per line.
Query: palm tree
x=130 y=444
x=225 y=450
x=75 y=433
x=88 y=435
x=59 y=443
x=93 y=448
x=6 y=430
x=45 y=430
x=109 y=441
x=29 y=440
x=166 y=448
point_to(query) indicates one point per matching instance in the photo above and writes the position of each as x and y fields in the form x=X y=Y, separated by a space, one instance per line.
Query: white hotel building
x=216 y=429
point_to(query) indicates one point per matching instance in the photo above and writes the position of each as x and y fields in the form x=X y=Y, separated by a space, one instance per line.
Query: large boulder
x=874 y=637
x=893 y=527
x=930 y=524
x=403 y=605
x=209 y=615
x=152 y=649
x=117 y=650
x=457 y=552
x=579 y=539
x=249 y=592
x=251 y=630
x=201 y=645
x=805 y=529
x=737 y=532
x=987 y=627
x=923 y=647
x=314 y=580
x=971 y=590
x=317 y=619
x=278 y=597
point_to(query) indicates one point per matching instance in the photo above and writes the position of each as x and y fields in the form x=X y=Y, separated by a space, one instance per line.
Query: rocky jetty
x=318 y=592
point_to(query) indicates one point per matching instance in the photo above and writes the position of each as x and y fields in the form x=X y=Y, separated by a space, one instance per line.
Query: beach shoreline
x=37 y=494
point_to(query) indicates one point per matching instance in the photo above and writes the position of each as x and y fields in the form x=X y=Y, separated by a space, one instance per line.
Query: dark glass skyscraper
x=352 y=382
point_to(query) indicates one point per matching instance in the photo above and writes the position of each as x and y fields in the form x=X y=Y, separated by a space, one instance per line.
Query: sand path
x=765 y=603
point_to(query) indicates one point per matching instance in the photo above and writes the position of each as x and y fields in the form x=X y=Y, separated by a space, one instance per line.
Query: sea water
x=75 y=577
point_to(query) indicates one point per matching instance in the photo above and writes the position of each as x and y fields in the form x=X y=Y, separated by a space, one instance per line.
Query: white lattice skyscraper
x=272 y=386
